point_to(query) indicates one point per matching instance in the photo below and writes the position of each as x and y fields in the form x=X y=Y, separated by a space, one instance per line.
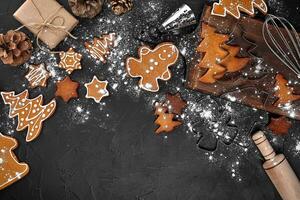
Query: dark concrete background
x=127 y=161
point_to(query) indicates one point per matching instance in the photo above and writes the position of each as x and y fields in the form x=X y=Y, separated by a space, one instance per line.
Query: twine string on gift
x=47 y=23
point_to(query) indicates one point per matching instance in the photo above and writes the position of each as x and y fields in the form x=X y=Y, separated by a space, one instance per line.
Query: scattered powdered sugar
x=51 y=63
x=294 y=147
x=80 y=114
x=202 y=111
x=278 y=7
x=8 y=125
x=297 y=148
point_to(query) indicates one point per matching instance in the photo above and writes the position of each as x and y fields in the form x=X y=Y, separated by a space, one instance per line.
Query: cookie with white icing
x=152 y=65
x=11 y=170
x=37 y=75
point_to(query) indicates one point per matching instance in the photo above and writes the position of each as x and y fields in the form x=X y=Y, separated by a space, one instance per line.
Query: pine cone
x=15 y=48
x=86 y=8
x=121 y=6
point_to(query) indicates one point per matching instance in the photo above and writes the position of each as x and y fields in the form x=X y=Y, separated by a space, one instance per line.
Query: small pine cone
x=15 y=48
x=121 y=6
x=86 y=8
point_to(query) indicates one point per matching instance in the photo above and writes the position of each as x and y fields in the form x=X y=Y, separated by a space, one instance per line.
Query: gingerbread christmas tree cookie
x=153 y=65
x=37 y=75
x=100 y=48
x=283 y=92
x=67 y=89
x=218 y=57
x=11 y=170
x=256 y=83
x=175 y=103
x=96 y=89
x=234 y=7
x=70 y=60
x=165 y=120
x=211 y=46
x=30 y=112
x=280 y=125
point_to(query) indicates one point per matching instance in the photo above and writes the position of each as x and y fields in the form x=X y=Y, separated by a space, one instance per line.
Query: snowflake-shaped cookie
x=70 y=60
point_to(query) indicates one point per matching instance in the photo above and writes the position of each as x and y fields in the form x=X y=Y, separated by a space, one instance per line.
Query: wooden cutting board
x=255 y=84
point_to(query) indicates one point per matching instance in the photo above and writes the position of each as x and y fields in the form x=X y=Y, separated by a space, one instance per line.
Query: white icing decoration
x=36 y=75
x=102 y=91
x=100 y=49
x=18 y=174
x=263 y=7
x=27 y=115
x=145 y=51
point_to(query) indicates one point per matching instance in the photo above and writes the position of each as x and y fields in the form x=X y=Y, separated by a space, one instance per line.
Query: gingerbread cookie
x=11 y=170
x=211 y=47
x=70 y=60
x=218 y=58
x=175 y=103
x=100 y=48
x=30 y=112
x=283 y=92
x=96 y=89
x=165 y=120
x=37 y=75
x=66 y=89
x=233 y=7
x=153 y=65
x=280 y=126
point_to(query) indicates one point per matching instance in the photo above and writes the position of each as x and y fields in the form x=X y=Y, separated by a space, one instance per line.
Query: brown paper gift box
x=35 y=12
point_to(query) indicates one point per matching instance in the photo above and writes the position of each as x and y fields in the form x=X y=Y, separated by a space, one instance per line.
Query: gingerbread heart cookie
x=11 y=170
x=153 y=65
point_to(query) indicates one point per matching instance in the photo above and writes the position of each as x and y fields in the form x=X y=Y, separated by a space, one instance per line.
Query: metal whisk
x=283 y=40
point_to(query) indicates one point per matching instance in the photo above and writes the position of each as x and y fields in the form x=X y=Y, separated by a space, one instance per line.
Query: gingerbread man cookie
x=153 y=65
x=11 y=170
x=30 y=112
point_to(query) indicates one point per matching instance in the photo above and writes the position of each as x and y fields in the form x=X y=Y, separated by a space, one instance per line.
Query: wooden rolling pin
x=278 y=169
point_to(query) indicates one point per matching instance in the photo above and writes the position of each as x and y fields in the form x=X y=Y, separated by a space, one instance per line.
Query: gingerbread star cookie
x=70 y=60
x=153 y=65
x=30 y=112
x=66 y=89
x=96 y=89
x=37 y=75
x=11 y=170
